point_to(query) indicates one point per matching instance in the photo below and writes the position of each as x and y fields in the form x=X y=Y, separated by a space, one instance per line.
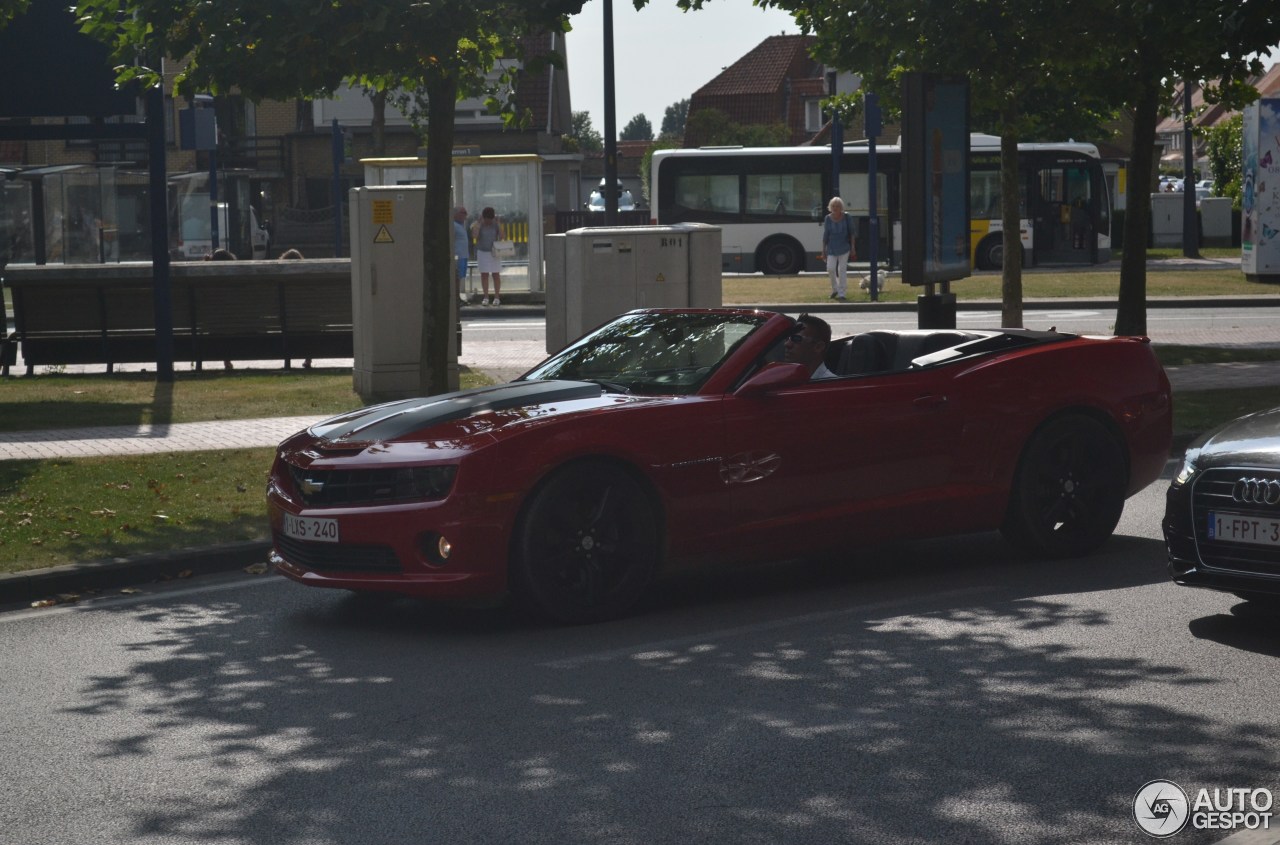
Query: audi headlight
x=1188 y=469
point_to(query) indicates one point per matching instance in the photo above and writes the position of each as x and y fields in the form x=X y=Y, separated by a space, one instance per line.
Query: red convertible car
x=668 y=438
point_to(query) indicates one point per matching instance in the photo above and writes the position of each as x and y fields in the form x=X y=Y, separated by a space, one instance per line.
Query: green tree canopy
x=589 y=140
x=1148 y=47
x=673 y=119
x=1026 y=78
x=713 y=127
x=1226 y=157
x=10 y=9
x=638 y=129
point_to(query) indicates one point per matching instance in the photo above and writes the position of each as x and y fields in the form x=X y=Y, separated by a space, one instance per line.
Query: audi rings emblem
x=1257 y=491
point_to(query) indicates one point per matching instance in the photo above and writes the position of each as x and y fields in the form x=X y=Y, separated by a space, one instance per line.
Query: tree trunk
x=437 y=288
x=1131 y=313
x=1011 y=219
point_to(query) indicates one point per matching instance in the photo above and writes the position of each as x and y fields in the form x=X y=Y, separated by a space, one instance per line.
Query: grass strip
x=55 y=512
x=35 y=403
x=1084 y=284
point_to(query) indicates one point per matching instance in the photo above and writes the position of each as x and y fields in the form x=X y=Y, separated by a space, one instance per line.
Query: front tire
x=1069 y=489
x=587 y=545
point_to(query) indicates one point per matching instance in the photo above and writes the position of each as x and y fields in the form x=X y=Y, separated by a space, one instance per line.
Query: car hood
x=1253 y=439
x=465 y=414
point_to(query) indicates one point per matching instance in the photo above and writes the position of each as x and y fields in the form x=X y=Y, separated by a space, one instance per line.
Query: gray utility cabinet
x=595 y=274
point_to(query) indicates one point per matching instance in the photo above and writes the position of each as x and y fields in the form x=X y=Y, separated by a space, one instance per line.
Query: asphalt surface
x=502 y=360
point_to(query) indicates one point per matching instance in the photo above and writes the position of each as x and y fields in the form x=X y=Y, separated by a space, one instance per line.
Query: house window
x=812 y=115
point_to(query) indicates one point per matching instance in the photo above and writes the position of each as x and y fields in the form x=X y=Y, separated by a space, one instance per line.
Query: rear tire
x=587 y=545
x=780 y=257
x=1069 y=489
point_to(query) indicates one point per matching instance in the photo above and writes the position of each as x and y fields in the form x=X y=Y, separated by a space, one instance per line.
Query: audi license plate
x=315 y=529
x=1239 y=528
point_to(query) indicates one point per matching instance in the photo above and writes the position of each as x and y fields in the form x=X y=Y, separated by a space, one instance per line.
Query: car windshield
x=652 y=353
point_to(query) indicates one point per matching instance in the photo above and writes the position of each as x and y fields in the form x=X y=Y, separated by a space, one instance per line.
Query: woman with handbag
x=486 y=231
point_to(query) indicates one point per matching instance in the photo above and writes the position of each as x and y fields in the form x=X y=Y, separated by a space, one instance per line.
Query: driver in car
x=807 y=345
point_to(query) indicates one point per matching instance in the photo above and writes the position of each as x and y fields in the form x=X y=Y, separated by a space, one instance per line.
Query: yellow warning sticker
x=383 y=236
x=661 y=278
x=384 y=211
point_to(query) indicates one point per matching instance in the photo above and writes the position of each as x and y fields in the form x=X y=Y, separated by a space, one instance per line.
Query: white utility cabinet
x=386 y=289
x=597 y=273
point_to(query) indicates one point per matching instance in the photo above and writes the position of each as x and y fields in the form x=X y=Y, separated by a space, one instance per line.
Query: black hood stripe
x=393 y=420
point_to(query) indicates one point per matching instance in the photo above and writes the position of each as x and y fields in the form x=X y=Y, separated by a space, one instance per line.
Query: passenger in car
x=807 y=345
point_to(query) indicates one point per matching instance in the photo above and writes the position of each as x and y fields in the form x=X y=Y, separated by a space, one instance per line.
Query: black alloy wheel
x=587 y=544
x=1069 y=489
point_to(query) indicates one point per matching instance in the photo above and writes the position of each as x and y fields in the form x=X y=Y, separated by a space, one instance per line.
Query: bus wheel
x=780 y=257
x=990 y=254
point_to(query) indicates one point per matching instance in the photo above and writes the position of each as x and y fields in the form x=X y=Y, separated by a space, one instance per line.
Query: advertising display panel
x=935 y=173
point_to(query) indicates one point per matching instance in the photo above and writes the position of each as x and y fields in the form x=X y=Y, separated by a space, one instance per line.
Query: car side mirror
x=773 y=377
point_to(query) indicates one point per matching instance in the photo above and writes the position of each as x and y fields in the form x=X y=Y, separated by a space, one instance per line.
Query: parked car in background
x=1222 y=511
x=672 y=438
x=625 y=201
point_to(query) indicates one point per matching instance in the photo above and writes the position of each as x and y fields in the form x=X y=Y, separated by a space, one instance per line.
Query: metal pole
x=213 y=195
x=162 y=293
x=871 y=121
x=611 y=190
x=1190 y=227
x=337 y=188
x=837 y=137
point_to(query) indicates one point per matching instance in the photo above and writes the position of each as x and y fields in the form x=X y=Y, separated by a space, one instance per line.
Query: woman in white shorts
x=485 y=231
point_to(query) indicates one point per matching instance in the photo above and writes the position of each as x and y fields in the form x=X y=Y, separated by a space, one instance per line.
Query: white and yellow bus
x=769 y=202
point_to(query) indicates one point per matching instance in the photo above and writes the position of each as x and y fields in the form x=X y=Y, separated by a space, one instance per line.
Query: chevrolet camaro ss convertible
x=668 y=438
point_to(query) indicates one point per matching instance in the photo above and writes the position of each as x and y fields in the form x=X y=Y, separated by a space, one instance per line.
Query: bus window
x=784 y=195
x=708 y=193
x=984 y=194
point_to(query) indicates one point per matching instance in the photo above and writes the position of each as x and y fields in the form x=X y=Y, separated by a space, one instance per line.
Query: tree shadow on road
x=801 y=706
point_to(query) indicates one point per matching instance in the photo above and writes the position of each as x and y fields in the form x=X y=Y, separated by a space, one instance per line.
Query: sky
x=660 y=54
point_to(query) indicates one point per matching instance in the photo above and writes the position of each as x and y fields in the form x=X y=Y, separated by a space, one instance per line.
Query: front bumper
x=392 y=548
x=1195 y=561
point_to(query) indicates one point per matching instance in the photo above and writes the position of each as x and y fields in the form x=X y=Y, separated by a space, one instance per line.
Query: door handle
x=930 y=401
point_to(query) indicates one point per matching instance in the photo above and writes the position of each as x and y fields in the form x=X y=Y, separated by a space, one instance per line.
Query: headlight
x=423 y=482
x=1188 y=468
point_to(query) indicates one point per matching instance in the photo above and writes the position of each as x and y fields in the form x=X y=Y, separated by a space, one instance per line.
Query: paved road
x=922 y=693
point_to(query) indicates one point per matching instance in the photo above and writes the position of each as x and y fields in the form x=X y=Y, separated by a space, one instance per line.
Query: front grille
x=349 y=487
x=1213 y=492
x=334 y=557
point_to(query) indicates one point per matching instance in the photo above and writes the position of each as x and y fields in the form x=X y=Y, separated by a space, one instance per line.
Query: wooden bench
x=222 y=311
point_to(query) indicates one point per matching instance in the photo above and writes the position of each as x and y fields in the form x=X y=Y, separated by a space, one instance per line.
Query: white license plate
x=315 y=529
x=1239 y=528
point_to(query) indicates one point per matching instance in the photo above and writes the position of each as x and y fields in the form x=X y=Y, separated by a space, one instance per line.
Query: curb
x=23 y=588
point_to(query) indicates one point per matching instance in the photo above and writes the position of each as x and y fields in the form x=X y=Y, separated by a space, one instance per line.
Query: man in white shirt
x=808 y=344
